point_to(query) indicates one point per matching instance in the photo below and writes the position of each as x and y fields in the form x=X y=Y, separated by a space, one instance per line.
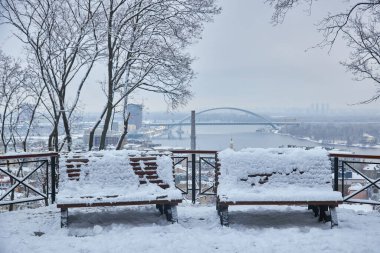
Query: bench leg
x=323 y=214
x=174 y=213
x=334 y=216
x=223 y=213
x=64 y=217
x=160 y=208
x=171 y=212
x=315 y=210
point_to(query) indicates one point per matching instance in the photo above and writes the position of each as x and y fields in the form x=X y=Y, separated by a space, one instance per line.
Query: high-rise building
x=136 y=114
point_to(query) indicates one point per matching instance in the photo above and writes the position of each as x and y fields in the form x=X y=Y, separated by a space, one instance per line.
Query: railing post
x=343 y=186
x=216 y=171
x=193 y=185
x=52 y=166
x=336 y=174
x=200 y=175
x=47 y=183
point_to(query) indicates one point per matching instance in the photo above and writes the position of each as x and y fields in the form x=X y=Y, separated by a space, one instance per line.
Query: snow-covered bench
x=115 y=178
x=282 y=176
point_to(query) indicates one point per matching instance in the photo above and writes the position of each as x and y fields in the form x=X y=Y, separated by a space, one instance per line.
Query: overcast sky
x=244 y=61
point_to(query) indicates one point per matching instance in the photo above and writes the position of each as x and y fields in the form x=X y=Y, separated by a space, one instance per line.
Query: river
x=219 y=138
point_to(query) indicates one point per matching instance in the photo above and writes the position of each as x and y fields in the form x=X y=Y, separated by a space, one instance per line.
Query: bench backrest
x=116 y=168
x=275 y=167
x=74 y=165
x=148 y=170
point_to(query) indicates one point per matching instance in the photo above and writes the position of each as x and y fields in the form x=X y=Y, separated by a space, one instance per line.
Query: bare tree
x=13 y=97
x=19 y=103
x=364 y=61
x=32 y=107
x=358 y=25
x=61 y=41
x=145 y=50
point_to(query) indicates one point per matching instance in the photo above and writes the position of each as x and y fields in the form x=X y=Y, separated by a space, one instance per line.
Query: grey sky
x=246 y=62
x=243 y=61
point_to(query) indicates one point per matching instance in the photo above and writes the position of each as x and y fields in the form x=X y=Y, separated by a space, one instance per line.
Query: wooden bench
x=277 y=177
x=116 y=179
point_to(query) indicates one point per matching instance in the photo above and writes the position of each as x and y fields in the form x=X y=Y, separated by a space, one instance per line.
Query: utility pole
x=193 y=136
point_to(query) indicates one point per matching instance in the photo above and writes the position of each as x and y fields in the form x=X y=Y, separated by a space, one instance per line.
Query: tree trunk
x=103 y=136
x=91 y=137
x=92 y=132
x=50 y=141
x=102 y=144
x=125 y=131
x=66 y=125
x=110 y=94
x=53 y=139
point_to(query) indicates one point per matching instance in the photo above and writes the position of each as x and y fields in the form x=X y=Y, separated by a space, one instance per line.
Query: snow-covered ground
x=141 y=229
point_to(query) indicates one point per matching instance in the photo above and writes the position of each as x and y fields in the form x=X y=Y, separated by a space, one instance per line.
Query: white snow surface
x=163 y=171
x=142 y=229
x=109 y=177
x=293 y=174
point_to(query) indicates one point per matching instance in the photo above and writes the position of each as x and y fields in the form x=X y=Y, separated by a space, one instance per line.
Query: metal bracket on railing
x=17 y=181
x=196 y=160
x=371 y=182
x=179 y=160
x=344 y=162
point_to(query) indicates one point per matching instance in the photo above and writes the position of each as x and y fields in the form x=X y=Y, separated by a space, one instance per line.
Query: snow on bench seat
x=110 y=178
x=282 y=195
x=149 y=194
x=283 y=176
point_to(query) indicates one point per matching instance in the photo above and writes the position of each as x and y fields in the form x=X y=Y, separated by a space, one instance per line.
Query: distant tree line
x=138 y=45
x=330 y=132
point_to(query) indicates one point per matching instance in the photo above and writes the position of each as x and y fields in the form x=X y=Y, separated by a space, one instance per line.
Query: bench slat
x=147 y=158
x=77 y=160
x=141 y=172
x=146 y=168
x=73 y=170
x=73 y=175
